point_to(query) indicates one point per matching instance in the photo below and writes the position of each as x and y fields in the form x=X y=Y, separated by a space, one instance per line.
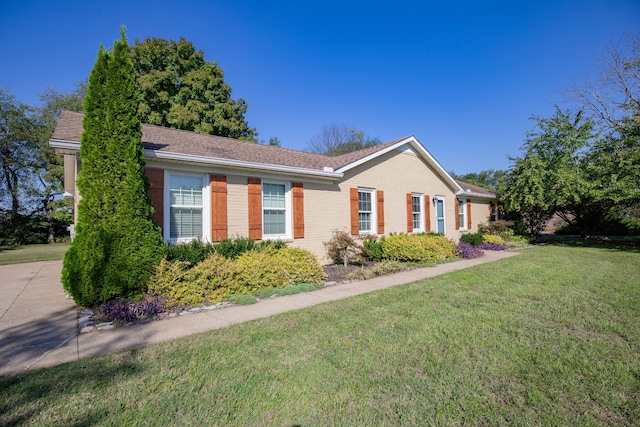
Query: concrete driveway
x=36 y=317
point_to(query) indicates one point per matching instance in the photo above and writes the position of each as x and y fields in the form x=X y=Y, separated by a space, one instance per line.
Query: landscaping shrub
x=474 y=239
x=117 y=244
x=498 y=228
x=344 y=248
x=373 y=248
x=216 y=278
x=197 y=251
x=278 y=268
x=299 y=266
x=192 y=252
x=417 y=247
x=127 y=311
x=212 y=280
x=378 y=270
x=233 y=248
x=493 y=246
x=469 y=251
x=492 y=238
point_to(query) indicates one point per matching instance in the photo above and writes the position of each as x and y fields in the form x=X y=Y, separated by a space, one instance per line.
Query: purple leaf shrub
x=493 y=247
x=125 y=311
x=468 y=251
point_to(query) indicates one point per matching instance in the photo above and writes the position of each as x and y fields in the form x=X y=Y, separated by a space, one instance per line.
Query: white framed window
x=462 y=213
x=495 y=211
x=187 y=207
x=417 y=203
x=276 y=210
x=366 y=212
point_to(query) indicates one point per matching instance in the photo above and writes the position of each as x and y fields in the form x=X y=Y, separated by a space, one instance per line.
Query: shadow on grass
x=24 y=396
x=618 y=243
x=8 y=248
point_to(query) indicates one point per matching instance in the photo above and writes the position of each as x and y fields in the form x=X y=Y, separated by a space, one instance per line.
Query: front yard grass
x=30 y=253
x=550 y=337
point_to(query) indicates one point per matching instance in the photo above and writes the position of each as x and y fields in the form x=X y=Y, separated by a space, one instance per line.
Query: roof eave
x=225 y=163
x=243 y=165
x=477 y=195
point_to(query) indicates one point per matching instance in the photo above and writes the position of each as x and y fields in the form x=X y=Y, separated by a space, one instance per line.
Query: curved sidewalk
x=38 y=322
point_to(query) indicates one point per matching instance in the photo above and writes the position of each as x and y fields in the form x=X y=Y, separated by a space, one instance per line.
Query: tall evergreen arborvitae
x=116 y=245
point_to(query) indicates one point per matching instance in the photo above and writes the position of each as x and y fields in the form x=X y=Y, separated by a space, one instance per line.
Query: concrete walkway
x=38 y=323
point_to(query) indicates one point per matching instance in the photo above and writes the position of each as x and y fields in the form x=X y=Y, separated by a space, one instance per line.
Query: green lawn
x=29 y=253
x=550 y=337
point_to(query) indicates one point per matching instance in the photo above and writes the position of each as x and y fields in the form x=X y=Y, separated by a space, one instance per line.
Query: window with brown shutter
x=353 y=204
x=219 y=227
x=298 y=210
x=409 y=212
x=380 y=211
x=156 y=194
x=255 y=208
x=457 y=211
x=468 y=213
x=427 y=212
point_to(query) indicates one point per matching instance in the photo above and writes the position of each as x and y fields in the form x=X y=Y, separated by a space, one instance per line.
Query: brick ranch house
x=211 y=187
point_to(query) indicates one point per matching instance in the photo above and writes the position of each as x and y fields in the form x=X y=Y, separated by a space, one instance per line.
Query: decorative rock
x=87 y=312
x=86 y=329
x=84 y=321
x=195 y=309
x=105 y=326
x=184 y=313
x=332 y=283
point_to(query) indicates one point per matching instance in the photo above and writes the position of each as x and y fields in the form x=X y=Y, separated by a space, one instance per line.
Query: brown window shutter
x=218 y=207
x=380 y=211
x=457 y=209
x=298 y=210
x=490 y=212
x=427 y=212
x=255 y=208
x=156 y=194
x=409 y=212
x=355 y=223
x=469 y=223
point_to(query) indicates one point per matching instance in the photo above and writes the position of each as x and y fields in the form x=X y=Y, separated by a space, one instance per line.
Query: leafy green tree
x=179 y=89
x=489 y=178
x=50 y=171
x=338 y=139
x=548 y=177
x=17 y=124
x=116 y=244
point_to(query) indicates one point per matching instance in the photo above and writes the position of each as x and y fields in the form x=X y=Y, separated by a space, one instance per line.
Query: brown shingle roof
x=161 y=139
x=476 y=189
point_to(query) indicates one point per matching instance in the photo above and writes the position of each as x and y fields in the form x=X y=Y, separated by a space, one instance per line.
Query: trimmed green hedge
x=425 y=247
x=217 y=278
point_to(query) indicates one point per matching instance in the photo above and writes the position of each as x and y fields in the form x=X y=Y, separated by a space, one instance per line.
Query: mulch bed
x=339 y=273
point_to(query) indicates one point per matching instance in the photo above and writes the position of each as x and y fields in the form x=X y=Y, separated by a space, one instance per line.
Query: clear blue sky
x=463 y=78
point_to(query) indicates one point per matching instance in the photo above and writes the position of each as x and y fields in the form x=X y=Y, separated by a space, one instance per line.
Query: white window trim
x=421 y=228
x=206 y=206
x=288 y=214
x=462 y=205
x=374 y=213
x=444 y=214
